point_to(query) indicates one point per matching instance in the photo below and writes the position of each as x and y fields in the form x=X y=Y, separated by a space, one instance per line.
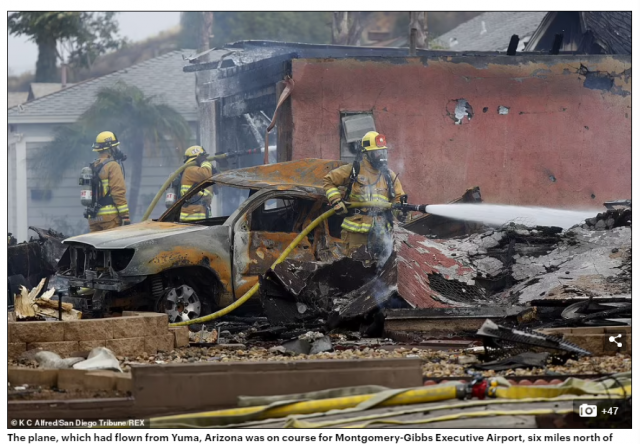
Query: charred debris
x=449 y=287
x=444 y=281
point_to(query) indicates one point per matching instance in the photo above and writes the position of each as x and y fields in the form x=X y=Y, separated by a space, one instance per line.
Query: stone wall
x=129 y=335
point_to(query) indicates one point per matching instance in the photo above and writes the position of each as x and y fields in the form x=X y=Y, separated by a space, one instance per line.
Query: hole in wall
x=458 y=109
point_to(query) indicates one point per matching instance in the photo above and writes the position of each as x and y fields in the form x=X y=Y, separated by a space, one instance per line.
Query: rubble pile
x=607 y=220
x=516 y=275
x=514 y=267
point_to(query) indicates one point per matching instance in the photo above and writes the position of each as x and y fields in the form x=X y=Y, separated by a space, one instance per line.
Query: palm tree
x=140 y=123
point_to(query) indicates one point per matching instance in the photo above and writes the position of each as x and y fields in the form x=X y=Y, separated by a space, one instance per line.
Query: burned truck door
x=264 y=231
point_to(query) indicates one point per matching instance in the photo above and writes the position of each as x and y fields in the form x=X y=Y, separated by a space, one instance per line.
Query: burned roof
x=306 y=174
x=251 y=51
x=491 y=31
x=611 y=30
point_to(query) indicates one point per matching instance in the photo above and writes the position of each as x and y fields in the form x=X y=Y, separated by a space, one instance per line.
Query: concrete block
x=88 y=330
x=591 y=343
x=158 y=343
x=16 y=349
x=124 y=382
x=37 y=331
x=63 y=348
x=166 y=341
x=130 y=347
x=87 y=346
x=70 y=379
x=33 y=377
x=181 y=335
x=156 y=323
x=100 y=380
x=128 y=327
x=150 y=345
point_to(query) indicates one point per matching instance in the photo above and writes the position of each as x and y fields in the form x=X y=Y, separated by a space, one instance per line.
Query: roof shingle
x=490 y=31
x=161 y=77
x=611 y=29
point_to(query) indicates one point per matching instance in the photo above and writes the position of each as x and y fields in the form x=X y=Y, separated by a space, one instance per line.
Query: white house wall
x=11 y=191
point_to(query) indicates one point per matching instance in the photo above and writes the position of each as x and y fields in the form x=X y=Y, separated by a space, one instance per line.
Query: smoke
x=381 y=246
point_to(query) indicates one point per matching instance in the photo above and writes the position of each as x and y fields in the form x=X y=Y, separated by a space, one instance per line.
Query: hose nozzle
x=407 y=207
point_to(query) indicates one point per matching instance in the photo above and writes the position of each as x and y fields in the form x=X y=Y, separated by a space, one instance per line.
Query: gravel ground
x=436 y=363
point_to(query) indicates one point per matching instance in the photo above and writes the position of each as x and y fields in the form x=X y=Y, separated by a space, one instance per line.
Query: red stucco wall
x=560 y=143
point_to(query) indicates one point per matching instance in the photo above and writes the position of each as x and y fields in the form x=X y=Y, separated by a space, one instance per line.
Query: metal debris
x=499 y=337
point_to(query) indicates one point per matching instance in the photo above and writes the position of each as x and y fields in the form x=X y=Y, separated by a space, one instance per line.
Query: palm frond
x=71 y=144
x=123 y=109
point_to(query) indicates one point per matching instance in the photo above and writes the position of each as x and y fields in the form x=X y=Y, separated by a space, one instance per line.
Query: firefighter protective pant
x=353 y=241
x=102 y=223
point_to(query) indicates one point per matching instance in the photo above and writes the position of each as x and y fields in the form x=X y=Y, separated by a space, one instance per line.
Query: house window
x=41 y=195
x=354 y=126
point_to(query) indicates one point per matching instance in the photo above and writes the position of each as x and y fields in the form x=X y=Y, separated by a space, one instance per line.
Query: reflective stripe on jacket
x=370 y=186
x=113 y=185
x=198 y=209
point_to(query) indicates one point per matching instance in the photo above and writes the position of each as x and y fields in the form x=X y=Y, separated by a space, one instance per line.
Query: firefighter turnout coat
x=370 y=186
x=113 y=193
x=196 y=208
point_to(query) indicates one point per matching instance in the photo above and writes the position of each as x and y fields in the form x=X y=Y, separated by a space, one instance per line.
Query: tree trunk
x=347 y=28
x=355 y=28
x=46 y=70
x=340 y=28
x=417 y=31
x=137 y=144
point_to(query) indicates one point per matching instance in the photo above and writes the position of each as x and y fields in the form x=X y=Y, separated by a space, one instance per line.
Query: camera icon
x=588 y=411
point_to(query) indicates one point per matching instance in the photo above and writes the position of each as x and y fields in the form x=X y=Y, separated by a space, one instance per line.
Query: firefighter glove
x=126 y=221
x=201 y=158
x=340 y=208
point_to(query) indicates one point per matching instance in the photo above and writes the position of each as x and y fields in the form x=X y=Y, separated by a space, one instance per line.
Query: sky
x=133 y=25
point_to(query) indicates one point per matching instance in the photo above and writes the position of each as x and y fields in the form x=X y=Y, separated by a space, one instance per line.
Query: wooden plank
x=218 y=385
x=227 y=82
x=435 y=326
x=181 y=388
x=284 y=125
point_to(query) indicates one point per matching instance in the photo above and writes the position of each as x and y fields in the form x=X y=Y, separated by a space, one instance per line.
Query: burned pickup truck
x=191 y=269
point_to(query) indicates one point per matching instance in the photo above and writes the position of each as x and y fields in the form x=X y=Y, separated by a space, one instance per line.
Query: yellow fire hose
x=405 y=397
x=252 y=291
x=378 y=418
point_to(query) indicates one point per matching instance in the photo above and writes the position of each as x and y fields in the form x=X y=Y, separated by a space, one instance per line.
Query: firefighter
x=197 y=207
x=367 y=180
x=113 y=210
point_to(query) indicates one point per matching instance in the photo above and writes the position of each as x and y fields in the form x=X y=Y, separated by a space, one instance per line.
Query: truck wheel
x=182 y=303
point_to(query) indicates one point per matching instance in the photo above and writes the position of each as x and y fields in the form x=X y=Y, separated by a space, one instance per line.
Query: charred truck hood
x=131 y=236
x=118 y=259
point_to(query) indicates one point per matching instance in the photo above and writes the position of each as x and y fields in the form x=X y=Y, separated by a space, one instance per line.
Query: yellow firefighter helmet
x=374 y=141
x=192 y=152
x=105 y=140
